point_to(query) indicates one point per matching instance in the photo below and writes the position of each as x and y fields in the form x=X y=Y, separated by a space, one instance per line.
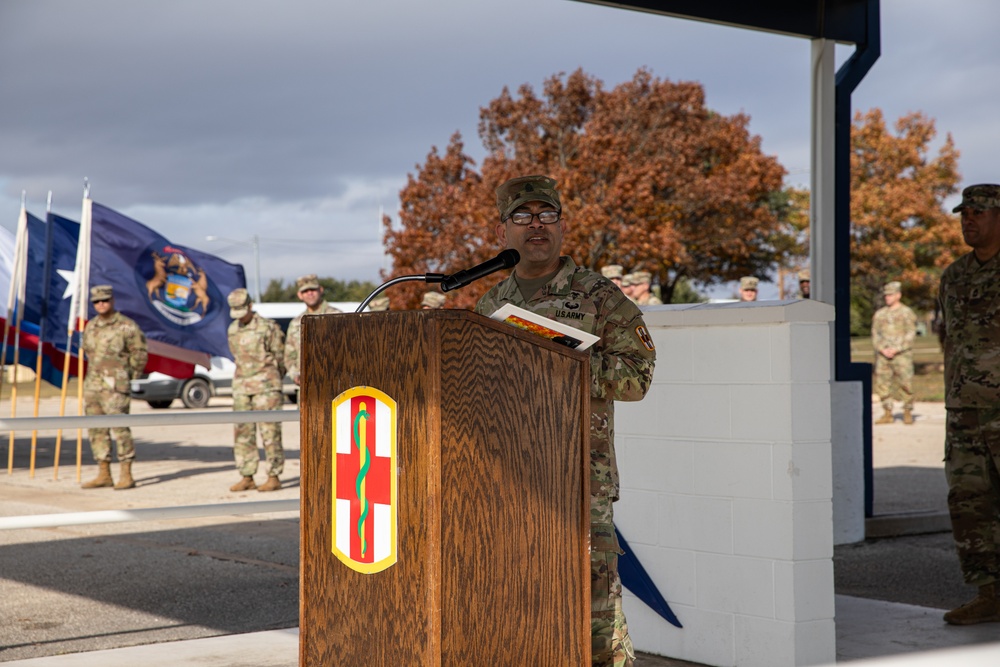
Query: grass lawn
x=928 y=365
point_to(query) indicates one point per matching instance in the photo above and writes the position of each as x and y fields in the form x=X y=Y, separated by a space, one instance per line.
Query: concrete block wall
x=727 y=484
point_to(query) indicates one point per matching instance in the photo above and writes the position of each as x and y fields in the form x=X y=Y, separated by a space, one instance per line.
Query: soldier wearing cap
x=115 y=348
x=628 y=286
x=258 y=349
x=970 y=336
x=614 y=273
x=621 y=362
x=641 y=284
x=310 y=292
x=804 y=284
x=748 y=288
x=894 y=327
x=432 y=301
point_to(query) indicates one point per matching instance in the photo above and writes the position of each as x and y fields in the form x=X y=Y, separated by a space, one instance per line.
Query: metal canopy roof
x=839 y=20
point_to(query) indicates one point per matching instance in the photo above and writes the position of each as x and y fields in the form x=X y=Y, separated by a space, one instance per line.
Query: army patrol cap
x=640 y=277
x=432 y=300
x=983 y=196
x=524 y=189
x=239 y=303
x=101 y=293
x=894 y=287
x=628 y=280
x=804 y=276
x=749 y=282
x=612 y=271
x=310 y=281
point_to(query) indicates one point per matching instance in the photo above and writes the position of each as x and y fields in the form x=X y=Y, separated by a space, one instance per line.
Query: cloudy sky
x=296 y=121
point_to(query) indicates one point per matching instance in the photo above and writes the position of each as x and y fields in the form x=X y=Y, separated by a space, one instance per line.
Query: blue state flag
x=177 y=295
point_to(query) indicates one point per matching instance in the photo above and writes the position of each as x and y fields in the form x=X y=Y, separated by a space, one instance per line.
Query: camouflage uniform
x=115 y=348
x=621 y=368
x=969 y=299
x=293 y=339
x=258 y=350
x=894 y=328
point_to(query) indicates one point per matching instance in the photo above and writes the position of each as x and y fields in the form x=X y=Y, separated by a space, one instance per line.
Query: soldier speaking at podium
x=621 y=368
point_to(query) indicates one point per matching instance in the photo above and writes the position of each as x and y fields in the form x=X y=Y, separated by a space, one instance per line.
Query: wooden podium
x=490 y=493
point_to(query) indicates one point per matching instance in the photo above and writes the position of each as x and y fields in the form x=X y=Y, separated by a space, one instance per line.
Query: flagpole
x=81 y=302
x=22 y=226
x=44 y=311
x=71 y=324
x=22 y=268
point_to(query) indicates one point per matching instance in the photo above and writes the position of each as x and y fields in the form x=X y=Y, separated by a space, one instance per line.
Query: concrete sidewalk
x=241 y=573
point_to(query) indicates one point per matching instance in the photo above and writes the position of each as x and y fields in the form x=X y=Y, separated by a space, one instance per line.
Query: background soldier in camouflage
x=641 y=284
x=258 y=349
x=805 y=283
x=621 y=367
x=969 y=301
x=627 y=286
x=748 y=288
x=432 y=301
x=310 y=292
x=894 y=326
x=378 y=304
x=115 y=349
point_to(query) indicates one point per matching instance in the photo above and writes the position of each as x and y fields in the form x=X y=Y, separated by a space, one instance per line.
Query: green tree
x=333 y=290
x=650 y=179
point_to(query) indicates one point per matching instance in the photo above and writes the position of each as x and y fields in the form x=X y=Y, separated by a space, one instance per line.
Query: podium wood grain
x=493 y=565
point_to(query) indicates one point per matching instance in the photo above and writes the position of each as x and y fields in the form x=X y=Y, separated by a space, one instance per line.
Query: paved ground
x=84 y=588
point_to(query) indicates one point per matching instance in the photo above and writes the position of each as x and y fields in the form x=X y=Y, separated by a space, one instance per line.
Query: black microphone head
x=509 y=257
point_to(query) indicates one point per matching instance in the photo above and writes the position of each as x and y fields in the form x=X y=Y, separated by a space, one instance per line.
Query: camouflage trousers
x=894 y=374
x=972 y=461
x=108 y=402
x=610 y=644
x=245 y=435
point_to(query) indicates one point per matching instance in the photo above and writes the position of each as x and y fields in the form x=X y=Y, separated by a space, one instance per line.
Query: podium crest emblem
x=364 y=479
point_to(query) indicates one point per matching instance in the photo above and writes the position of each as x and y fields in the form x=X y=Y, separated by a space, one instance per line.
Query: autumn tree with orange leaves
x=900 y=228
x=650 y=178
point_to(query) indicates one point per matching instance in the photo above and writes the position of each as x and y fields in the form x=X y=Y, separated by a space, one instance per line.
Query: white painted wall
x=727 y=484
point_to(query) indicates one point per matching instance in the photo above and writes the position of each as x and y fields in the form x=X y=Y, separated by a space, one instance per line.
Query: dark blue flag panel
x=635 y=578
x=177 y=295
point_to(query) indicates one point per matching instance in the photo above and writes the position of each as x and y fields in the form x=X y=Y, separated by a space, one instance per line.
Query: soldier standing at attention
x=115 y=348
x=310 y=292
x=968 y=299
x=621 y=369
x=641 y=294
x=894 y=327
x=258 y=349
x=748 y=288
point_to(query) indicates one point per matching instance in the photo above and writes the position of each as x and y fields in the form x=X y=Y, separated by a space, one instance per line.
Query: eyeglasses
x=101 y=301
x=545 y=217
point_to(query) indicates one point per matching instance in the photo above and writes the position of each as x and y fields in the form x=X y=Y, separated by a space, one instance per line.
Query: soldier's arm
x=292 y=342
x=277 y=345
x=911 y=332
x=138 y=352
x=621 y=363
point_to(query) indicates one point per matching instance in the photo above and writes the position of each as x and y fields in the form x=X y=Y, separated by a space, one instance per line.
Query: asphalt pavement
x=224 y=590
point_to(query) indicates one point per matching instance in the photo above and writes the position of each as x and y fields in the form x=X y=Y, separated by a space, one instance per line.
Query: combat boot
x=125 y=480
x=907 y=416
x=245 y=484
x=886 y=418
x=985 y=608
x=272 y=484
x=103 y=477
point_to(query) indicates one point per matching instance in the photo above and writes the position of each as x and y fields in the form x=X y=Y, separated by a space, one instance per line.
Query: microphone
x=505 y=260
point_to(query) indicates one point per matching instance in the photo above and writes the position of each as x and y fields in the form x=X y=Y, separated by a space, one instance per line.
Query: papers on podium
x=545 y=327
